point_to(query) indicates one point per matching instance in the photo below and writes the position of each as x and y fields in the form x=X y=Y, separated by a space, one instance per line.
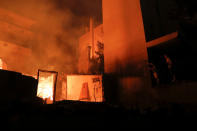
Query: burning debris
x=86 y=88
x=3 y=64
x=46 y=85
x=44 y=35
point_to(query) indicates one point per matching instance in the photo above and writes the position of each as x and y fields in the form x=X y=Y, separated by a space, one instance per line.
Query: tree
x=97 y=63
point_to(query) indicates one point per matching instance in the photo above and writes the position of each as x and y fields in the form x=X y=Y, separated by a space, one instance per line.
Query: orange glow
x=85 y=88
x=125 y=49
x=3 y=65
x=124 y=36
x=45 y=88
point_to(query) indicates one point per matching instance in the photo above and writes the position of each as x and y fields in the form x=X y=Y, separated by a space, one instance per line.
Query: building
x=126 y=37
x=158 y=27
x=85 y=46
x=88 y=46
x=15 y=32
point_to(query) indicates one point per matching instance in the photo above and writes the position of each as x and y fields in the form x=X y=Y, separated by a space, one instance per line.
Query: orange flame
x=3 y=65
x=45 y=87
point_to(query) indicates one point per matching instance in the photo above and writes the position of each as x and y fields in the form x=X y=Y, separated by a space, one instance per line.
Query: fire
x=3 y=64
x=45 y=87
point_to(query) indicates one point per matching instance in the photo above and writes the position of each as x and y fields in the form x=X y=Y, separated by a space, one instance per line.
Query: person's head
x=165 y=56
x=151 y=65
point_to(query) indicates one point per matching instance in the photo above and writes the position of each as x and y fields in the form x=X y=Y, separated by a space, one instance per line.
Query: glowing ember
x=3 y=65
x=45 y=87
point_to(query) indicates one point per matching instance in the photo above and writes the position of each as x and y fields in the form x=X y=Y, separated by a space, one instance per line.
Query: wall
x=15 y=32
x=77 y=91
x=15 y=28
x=84 y=42
x=16 y=57
x=125 y=52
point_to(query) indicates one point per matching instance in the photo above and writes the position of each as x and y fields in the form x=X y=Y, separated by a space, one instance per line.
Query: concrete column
x=92 y=35
x=125 y=52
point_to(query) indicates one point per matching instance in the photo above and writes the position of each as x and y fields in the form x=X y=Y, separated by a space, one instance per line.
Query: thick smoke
x=56 y=40
x=58 y=25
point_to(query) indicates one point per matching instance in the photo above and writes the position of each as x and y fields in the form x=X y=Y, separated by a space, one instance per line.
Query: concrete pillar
x=92 y=35
x=125 y=52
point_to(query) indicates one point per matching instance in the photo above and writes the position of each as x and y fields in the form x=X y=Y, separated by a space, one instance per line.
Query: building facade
x=15 y=32
x=89 y=47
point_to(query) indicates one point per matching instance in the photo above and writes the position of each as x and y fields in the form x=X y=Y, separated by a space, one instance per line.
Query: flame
x=45 y=87
x=3 y=65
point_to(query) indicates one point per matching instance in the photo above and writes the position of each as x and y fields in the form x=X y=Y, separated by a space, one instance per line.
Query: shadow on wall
x=128 y=92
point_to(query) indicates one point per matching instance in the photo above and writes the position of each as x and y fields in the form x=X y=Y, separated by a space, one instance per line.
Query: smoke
x=56 y=39
x=58 y=25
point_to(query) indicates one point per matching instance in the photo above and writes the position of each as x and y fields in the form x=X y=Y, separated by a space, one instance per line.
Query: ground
x=70 y=114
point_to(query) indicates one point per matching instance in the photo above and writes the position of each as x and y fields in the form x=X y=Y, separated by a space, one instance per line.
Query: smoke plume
x=58 y=25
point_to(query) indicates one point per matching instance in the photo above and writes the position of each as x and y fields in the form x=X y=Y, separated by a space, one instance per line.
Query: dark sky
x=162 y=17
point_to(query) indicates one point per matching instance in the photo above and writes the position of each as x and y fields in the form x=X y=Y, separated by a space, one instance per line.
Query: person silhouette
x=154 y=73
x=170 y=68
